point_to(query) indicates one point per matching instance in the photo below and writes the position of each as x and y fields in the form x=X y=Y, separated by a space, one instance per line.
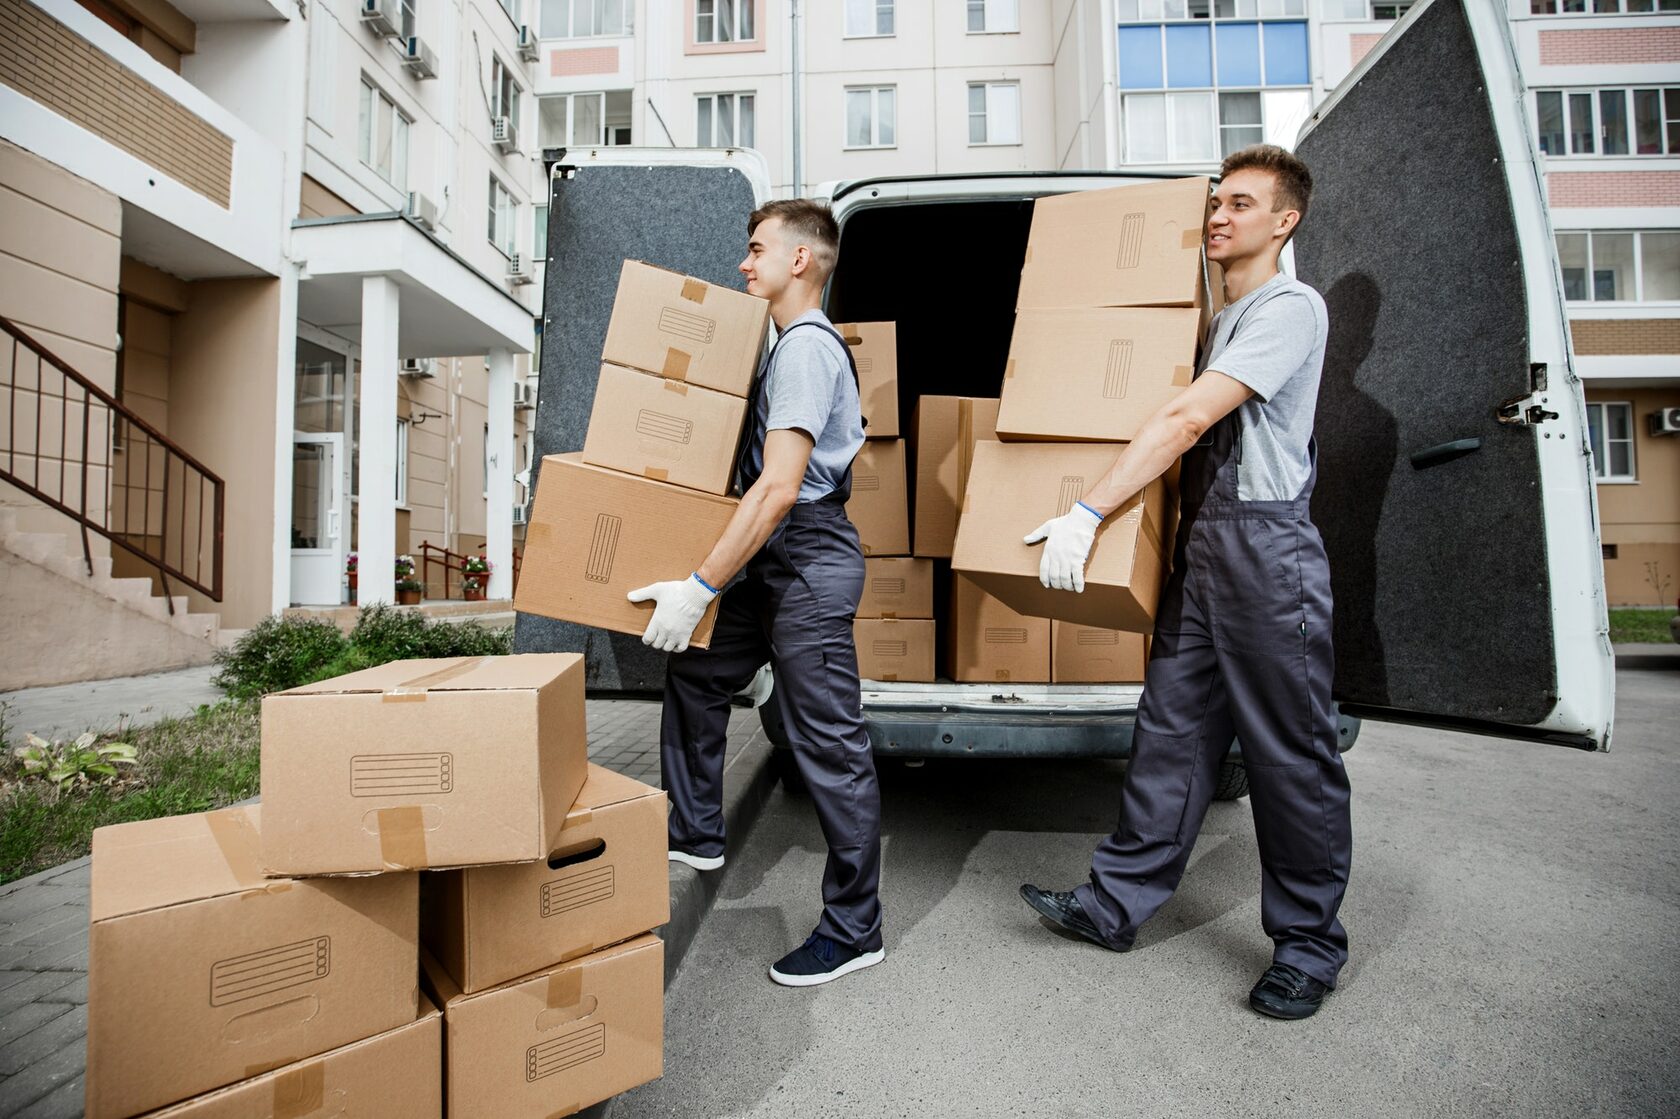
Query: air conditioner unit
x=523 y=397
x=1665 y=421
x=519 y=514
x=528 y=48
x=418 y=58
x=422 y=209
x=382 y=17
x=417 y=367
x=518 y=269
x=504 y=135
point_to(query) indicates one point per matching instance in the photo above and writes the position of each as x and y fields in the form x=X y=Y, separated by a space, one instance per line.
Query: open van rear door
x=682 y=209
x=1455 y=486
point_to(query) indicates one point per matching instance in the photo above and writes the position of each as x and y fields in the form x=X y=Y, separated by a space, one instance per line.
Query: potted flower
x=350 y=574
x=473 y=588
x=408 y=592
x=477 y=571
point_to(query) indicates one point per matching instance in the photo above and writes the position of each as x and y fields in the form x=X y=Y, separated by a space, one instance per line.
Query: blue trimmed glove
x=678 y=607
x=1068 y=539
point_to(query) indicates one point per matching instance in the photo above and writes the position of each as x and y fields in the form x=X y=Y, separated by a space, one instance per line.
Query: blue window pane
x=1189 y=57
x=1286 y=54
x=1140 y=58
x=1239 y=53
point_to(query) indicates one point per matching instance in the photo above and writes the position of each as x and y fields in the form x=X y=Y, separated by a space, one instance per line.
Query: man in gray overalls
x=1242 y=637
x=794 y=570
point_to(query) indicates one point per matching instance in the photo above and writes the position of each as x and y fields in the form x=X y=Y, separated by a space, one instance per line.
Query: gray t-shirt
x=1277 y=350
x=811 y=390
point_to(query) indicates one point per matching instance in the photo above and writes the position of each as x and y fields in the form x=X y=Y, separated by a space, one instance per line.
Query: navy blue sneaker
x=820 y=960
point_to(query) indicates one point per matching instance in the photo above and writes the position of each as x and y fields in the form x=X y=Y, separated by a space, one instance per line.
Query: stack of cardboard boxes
x=286 y=959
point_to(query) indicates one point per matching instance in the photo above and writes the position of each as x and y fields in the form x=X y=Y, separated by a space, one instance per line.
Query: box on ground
x=1126 y=246
x=394 y=1075
x=946 y=430
x=991 y=643
x=605 y=882
x=1096 y=374
x=423 y=763
x=555 y=1042
x=1015 y=487
x=686 y=329
x=201 y=972
x=1087 y=655
x=874 y=347
x=596 y=535
x=898 y=649
x=896 y=587
x=880 y=506
x=666 y=430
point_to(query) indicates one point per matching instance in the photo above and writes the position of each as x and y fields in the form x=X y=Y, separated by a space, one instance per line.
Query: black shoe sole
x=1054 y=917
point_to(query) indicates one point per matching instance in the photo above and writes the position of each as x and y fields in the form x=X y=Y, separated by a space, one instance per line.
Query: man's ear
x=1287 y=223
x=801 y=260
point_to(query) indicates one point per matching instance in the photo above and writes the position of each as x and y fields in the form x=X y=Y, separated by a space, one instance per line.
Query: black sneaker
x=820 y=960
x=1064 y=911
x=1287 y=992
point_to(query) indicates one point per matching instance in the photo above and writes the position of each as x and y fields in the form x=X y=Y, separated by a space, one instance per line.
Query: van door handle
x=1444 y=452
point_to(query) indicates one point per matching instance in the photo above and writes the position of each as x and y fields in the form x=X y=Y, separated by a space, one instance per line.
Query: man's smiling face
x=1243 y=223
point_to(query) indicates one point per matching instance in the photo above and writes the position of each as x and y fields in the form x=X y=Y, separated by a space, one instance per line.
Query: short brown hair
x=1294 y=181
x=809 y=223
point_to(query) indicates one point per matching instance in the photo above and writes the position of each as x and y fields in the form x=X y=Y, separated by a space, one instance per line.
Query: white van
x=1455 y=488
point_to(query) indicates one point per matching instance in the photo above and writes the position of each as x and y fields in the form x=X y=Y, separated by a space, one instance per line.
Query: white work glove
x=1068 y=539
x=678 y=607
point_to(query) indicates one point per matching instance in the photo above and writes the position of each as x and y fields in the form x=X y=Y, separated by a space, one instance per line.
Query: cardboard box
x=947 y=428
x=990 y=643
x=874 y=347
x=880 y=505
x=686 y=329
x=596 y=535
x=1087 y=655
x=555 y=1042
x=1094 y=375
x=896 y=587
x=423 y=763
x=394 y=1075
x=895 y=649
x=604 y=882
x=201 y=972
x=665 y=430
x=1015 y=487
x=1126 y=246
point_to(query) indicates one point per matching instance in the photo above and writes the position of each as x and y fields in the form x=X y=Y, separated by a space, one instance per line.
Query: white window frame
x=571 y=118
x=875 y=118
x=372 y=101
x=1591 y=7
x=1595 y=96
x=988 y=142
x=402 y=463
x=596 y=9
x=506 y=93
x=1367 y=10
x=504 y=217
x=1219 y=126
x=884 y=11
x=737 y=96
x=997 y=17
x=539 y=237
x=1168 y=11
x=1601 y=463
x=1638 y=265
x=711 y=15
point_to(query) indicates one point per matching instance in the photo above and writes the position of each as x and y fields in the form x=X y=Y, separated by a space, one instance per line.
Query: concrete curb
x=1651 y=656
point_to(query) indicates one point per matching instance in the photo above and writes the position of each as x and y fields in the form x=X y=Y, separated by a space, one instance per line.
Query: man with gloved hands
x=793 y=566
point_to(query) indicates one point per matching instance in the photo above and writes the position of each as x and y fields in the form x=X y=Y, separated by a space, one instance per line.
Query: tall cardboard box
x=990 y=643
x=1095 y=374
x=874 y=347
x=947 y=428
x=666 y=430
x=898 y=649
x=1087 y=655
x=394 y=1075
x=686 y=329
x=1126 y=246
x=1015 y=487
x=604 y=882
x=880 y=506
x=896 y=587
x=553 y=1043
x=423 y=763
x=596 y=535
x=202 y=972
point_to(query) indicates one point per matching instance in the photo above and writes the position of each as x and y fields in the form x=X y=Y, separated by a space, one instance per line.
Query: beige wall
x=1641 y=520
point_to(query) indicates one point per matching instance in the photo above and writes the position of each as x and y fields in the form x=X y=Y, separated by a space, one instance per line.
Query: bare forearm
x=1158 y=445
x=756 y=517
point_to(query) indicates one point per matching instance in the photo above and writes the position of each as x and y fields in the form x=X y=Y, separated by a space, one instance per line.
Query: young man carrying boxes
x=795 y=569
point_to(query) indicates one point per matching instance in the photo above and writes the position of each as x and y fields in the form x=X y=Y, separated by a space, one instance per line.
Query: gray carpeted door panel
x=689 y=219
x=1442 y=599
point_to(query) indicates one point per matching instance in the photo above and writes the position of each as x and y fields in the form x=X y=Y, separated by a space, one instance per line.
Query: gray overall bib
x=793 y=605
x=1242 y=647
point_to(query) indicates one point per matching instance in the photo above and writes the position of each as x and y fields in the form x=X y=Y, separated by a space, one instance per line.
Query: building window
x=583 y=119
x=1610 y=429
x=867 y=19
x=1614 y=122
x=1600 y=7
x=1205 y=126
x=581 y=19
x=402 y=463
x=872 y=117
x=723 y=21
x=1155 y=11
x=1368 y=10
x=1606 y=266
x=990 y=17
x=994 y=113
x=725 y=120
x=539 y=243
x=503 y=211
x=384 y=136
x=504 y=92
x=410 y=25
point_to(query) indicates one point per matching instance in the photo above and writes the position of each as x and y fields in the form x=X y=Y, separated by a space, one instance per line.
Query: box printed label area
x=255 y=974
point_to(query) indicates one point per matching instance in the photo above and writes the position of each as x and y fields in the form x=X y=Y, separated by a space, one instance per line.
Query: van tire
x=1233 y=781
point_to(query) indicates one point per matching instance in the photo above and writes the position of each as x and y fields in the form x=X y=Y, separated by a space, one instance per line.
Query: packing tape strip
x=1192 y=239
x=418 y=686
x=678 y=387
x=657 y=473
x=236 y=840
x=578 y=818
x=299 y=1092
x=1009 y=369
x=889 y=677
x=1182 y=375
x=565 y=988
x=694 y=290
x=402 y=838
x=676 y=365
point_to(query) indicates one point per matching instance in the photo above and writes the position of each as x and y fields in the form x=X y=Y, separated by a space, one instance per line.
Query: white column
x=498 y=514
x=285 y=400
x=376 y=484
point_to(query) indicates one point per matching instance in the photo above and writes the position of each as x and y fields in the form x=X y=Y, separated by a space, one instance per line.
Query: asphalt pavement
x=1514 y=916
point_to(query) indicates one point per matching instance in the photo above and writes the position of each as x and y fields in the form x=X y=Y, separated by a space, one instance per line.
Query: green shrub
x=385 y=633
x=277 y=653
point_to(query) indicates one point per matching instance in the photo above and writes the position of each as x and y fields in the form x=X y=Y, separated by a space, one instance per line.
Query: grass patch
x=1632 y=627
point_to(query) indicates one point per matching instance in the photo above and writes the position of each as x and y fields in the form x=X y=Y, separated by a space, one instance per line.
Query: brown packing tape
x=694 y=290
x=268 y=1066
x=1192 y=239
x=1009 y=369
x=657 y=473
x=678 y=387
x=889 y=677
x=890 y=615
x=299 y=1092
x=579 y=818
x=417 y=687
x=1182 y=375
x=565 y=988
x=676 y=365
x=234 y=834
x=402 y=838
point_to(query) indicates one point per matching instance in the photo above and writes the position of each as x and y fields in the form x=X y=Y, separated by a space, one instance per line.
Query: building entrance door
x=318 y=549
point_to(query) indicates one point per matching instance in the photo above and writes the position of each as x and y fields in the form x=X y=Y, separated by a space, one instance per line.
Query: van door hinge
x=1524 y=411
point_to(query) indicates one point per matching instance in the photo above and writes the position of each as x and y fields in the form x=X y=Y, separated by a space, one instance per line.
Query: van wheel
x=1233 y=781
x=786 y=769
